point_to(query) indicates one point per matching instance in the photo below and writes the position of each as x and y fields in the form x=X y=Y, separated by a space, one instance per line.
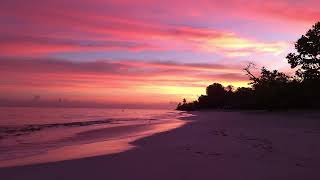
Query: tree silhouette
x=184 y=101
x=229 y=88
x=215 y=89
x=269 y=79
x=272 y=90
x=307 y=58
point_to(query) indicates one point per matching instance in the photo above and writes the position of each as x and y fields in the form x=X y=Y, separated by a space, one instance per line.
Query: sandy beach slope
x=213 y=145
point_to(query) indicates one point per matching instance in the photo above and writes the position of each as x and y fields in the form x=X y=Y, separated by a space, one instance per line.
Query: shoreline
x=221 y=145
x=93 y=142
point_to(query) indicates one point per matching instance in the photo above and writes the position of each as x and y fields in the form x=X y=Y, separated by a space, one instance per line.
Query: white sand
x=215 y=145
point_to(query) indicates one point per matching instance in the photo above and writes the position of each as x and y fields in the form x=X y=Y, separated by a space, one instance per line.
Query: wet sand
x=212 y=145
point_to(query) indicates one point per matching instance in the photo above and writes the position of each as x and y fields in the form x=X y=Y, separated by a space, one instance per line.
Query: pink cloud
x=101 y=25
x=102 y=78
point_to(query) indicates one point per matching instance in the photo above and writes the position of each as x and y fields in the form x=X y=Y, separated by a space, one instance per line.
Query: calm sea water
x=39 y=135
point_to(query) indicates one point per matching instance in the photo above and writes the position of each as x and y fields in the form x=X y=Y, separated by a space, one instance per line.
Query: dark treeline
x=272 y=89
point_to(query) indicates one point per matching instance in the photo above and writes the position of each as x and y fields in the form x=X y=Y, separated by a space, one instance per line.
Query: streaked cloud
x=76 y=29
x=100 y=77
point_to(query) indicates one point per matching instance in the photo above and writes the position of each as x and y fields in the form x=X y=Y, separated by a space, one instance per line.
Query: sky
x=141 y=52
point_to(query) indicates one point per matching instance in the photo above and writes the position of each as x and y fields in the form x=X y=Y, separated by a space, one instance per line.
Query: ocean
x=39 y=135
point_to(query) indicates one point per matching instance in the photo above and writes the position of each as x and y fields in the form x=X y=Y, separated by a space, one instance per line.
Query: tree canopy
x=307 y=58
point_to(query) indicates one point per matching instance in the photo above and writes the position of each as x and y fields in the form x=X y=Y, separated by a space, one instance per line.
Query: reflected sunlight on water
x=21 y=146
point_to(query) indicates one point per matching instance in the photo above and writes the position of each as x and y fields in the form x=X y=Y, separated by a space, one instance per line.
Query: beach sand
x=212 y=145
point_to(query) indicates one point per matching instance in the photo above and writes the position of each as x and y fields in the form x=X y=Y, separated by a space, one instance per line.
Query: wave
x=26 y=129
x=19 y=130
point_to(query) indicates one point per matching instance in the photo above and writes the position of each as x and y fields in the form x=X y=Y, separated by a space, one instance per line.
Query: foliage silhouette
x=308 y=57
x=272 y=90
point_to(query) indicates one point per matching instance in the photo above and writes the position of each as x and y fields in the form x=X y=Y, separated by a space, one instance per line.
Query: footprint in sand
x=312 y=131
x=208 y=154
x=258 y=143
x=299 y=165
x=221 y=132
x=214 y=154
x=188 y=148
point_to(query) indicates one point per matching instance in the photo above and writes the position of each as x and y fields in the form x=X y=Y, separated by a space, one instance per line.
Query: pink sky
x=143 y=51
